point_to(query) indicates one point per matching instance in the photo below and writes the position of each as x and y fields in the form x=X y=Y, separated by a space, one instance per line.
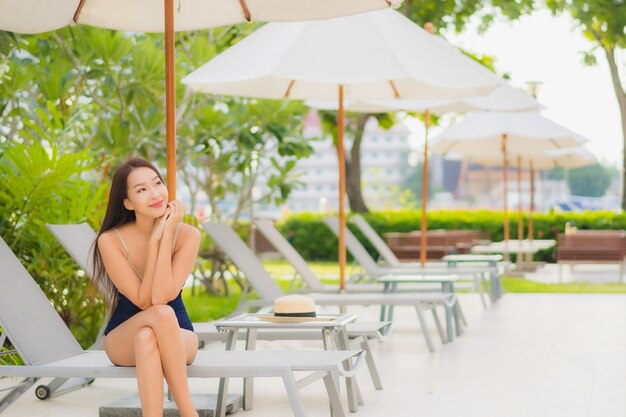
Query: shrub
x=39 y=186
x=315 y=241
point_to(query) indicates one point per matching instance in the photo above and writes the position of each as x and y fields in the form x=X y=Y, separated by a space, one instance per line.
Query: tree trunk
x=353 y=169
x=621 y=99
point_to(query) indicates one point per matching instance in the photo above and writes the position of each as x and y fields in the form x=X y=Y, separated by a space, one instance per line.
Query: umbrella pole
x=520 y=221
x=505 y=165
x=532 y=202
x=424 y=225
x=170 y=100
x=342 y=191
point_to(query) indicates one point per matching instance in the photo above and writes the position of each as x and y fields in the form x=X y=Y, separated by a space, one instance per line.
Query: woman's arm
x=171 y=271
x=123 y=276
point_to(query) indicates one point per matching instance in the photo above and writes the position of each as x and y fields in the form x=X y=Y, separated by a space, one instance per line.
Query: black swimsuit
x=125 y=309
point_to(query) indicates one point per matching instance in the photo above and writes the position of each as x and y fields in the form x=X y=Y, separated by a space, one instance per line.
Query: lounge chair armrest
x=348 y=373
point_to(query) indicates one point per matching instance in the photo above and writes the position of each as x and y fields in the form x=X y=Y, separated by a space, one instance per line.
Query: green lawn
x=521 y=285
x=202 y=306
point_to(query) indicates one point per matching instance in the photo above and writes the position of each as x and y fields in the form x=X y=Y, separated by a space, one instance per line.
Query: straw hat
x=294 y=309
x=294 y=305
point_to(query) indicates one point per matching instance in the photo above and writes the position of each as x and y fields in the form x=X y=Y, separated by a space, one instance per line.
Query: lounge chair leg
x=461 y=314
x=422 y=320
x=222 y=394
x=491 y=285
x=333 y=396
x=359 y=396
x=248 y=383
x=457 y=321
x=293 y=393
x=351 y=385
x=442 y=334
x=496 y=283
x=371 y=365
x=60 y=386
x=449 y=311
x=478 y=283
x=16 y=392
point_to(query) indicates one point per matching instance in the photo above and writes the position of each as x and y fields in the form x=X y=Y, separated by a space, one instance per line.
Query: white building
x=384 y=161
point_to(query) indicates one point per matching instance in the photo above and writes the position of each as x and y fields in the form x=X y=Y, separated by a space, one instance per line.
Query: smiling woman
x=143 y=255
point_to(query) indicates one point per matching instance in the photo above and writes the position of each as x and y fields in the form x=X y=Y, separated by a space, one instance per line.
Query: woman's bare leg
x=172 y=346
x=149 y=372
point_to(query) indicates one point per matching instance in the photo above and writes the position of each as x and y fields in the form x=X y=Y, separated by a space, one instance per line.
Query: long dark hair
x=116 y=215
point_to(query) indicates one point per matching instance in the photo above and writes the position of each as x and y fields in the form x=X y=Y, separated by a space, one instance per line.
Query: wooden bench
x=592 y=246
x=406 y=246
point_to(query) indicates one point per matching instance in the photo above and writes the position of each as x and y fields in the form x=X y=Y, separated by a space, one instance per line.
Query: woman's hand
x=159 y=226
x=177 y=211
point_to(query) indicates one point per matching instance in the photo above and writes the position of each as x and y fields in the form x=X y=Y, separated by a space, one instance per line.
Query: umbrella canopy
x=372 y=55
x=514 y=133
x=35 y=16
x=525 y=132
x=558 y=158
x=503 y=98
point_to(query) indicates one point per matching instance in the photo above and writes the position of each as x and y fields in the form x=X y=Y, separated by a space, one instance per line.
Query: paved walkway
x=591 y=273
x=530 y=356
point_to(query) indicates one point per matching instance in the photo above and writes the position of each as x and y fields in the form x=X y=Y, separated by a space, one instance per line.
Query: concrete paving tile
x=531 y=355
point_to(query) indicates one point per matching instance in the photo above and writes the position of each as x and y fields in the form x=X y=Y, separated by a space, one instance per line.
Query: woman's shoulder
x=106 y=237
x=109 y=239
x=189 y=233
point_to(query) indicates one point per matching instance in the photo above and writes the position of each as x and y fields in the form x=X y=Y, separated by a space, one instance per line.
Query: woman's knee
x=191 y=347
x=145 y=341
x=163 y=314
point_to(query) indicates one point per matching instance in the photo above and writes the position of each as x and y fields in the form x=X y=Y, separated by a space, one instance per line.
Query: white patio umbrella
x=567 y=158
x=36 y=16
x=516 y=133
x=504 y=98
x=373 y=55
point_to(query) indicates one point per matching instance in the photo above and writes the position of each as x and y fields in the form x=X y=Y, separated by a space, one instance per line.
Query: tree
x=590 y=181
x=233 y=150
x=602 y=22
x=413 y=181
x=7 y=43
x=455 y=14
x=39 y=184
x=354 y=131
x=107 y=87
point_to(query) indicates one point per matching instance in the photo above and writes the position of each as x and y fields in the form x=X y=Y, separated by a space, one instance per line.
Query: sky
x=543 y=48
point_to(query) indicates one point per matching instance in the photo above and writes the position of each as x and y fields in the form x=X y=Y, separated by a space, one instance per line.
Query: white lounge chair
x=77 y=239
x=232 y=245
x=313 y=283
x=374 y=271
x=493 y=262
x=48 y=349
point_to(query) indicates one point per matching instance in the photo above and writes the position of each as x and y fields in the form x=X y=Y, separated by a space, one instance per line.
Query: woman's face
x=147 y=195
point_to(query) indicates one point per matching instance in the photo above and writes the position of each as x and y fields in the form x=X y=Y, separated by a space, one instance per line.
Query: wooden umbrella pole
x=424 y=225
x=532 y=202
x=505 y=165
x=342 y=191
x=520 y=221
x=170 y=100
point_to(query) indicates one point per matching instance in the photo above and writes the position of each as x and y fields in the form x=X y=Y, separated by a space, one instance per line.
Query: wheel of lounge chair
x=42 y=392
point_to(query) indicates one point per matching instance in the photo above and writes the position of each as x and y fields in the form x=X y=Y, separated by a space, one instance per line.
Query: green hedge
x=315 y=241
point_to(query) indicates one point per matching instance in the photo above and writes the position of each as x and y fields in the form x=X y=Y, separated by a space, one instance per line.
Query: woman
x=143 y=256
